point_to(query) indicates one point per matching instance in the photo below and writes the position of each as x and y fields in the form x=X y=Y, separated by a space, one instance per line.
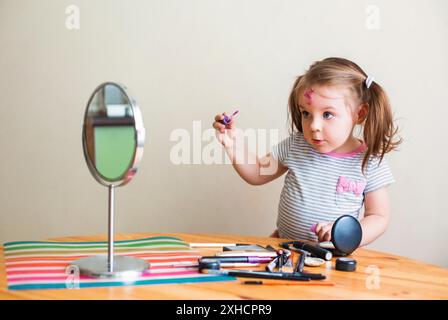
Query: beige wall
x=187 y=60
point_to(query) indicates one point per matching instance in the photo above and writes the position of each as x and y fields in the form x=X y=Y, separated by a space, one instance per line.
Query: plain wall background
x=189 y=60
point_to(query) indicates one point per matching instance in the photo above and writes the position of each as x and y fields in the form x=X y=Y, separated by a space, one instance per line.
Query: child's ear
x=363 y=110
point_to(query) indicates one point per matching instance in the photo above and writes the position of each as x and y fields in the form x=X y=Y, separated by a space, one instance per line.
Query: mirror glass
x=111 y=135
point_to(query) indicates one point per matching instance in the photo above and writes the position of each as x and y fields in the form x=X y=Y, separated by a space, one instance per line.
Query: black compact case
x=346 y=236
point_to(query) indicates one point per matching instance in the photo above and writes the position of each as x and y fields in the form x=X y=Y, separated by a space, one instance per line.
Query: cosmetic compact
x=345 y=264
x=346 y=235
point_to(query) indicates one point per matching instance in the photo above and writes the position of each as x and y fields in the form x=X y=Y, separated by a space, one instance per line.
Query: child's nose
x=316 y=125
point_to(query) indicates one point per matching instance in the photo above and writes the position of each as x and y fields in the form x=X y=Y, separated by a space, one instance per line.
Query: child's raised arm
x=253 y=170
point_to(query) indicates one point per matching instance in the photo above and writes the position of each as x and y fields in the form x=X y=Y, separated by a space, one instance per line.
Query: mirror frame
x=139 y=140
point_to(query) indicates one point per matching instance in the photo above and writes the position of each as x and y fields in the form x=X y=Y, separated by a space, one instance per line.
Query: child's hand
x=224 y=133
x=323 y=231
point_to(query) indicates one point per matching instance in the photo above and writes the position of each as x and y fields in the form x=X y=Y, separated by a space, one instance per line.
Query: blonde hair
x=379 y=131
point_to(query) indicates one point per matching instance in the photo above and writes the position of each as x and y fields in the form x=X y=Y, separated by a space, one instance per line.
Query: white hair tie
x=369 y=81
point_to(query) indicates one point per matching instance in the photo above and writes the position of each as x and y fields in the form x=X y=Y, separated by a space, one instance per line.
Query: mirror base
x=97 y=267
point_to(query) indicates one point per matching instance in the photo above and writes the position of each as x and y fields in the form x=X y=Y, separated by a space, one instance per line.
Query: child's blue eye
x=305 y=114
x=328 y=115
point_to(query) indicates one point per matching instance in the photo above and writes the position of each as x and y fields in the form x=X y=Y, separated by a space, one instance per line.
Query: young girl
x=329 y=171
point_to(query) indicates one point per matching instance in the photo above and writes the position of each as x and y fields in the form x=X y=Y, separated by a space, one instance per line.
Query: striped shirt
x=321 y=187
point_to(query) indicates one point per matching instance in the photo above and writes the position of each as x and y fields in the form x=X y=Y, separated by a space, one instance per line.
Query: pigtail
x=293 y=107
x=380 y=133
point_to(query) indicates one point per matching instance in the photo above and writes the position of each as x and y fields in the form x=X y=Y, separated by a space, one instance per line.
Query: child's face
x=327 y=119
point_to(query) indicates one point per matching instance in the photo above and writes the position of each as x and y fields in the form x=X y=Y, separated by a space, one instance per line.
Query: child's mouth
x=318 y=142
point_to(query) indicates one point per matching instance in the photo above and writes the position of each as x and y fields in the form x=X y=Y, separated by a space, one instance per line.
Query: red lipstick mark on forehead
x=309 y=96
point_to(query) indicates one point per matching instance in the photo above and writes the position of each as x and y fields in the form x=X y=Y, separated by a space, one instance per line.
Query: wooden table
x=378 y=276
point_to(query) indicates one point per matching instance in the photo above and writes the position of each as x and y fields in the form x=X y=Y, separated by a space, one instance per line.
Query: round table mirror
x=113 y=137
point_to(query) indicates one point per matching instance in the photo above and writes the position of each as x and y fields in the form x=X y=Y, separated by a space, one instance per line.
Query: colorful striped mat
x=46 y=265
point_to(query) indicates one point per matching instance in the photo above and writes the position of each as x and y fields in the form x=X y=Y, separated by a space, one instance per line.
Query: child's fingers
x=323 y=231
x=319 y=227
x=220 y=116
x=327 y=236
x=219 y=126
x=323 y=234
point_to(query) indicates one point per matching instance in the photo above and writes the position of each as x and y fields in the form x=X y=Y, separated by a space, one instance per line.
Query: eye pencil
x=215 y=245
x=288 y=283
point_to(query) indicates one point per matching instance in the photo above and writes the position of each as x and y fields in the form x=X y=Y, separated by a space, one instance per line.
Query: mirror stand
x=113 y=138
x=110 y=234
x=111 y=266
